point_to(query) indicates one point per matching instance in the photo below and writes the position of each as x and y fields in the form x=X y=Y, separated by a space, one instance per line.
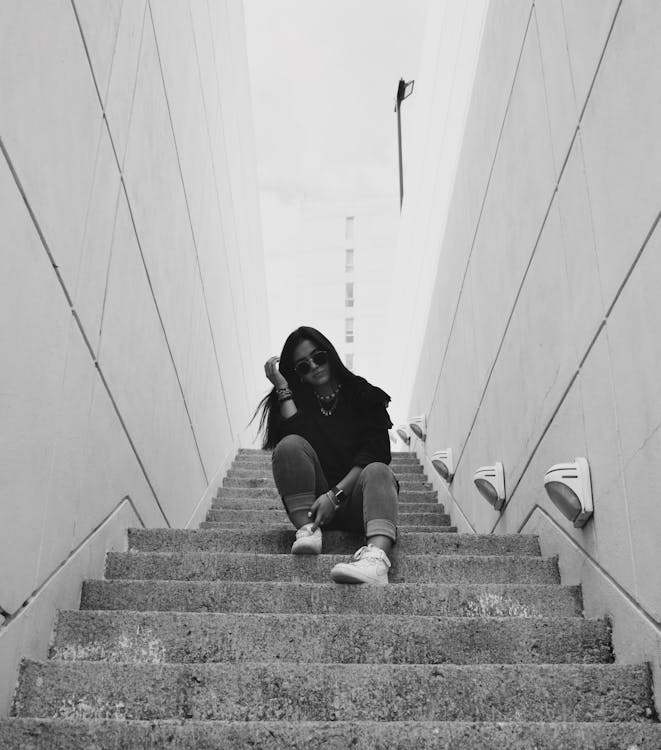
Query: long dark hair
x=270 y=419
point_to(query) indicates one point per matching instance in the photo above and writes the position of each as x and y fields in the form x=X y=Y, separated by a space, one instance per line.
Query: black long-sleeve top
x=355 y=434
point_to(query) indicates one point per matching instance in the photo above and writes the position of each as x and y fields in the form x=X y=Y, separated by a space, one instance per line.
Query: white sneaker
x=306 y=542
x=370 y=565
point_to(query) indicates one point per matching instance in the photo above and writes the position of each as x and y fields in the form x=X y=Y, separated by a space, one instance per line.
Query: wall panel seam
x=571 y=145
x=601 y=58
x=219 y=212
x=584 y=358
x=621 y=590
x=162 y=324
x=190 y=220
x=87 y=52
x=76 y=317
x=231 y=193
x=479 y=217
x=504 y=336
x=125 y=501
x=589 y=348
x=241 y=154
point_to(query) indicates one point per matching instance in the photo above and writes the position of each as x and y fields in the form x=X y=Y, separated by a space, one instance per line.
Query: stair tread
x=312 y=691
x=260 y=566
x=470 y=600
x=195 y=640
x=186 y=637
x=340 y=542
x=67 y=734
x=247 y=524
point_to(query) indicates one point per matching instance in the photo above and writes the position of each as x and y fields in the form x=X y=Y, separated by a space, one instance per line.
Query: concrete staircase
x=219 y=638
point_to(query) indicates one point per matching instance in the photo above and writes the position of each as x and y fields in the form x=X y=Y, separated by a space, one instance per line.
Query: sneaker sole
x=343 y=573
x=304 y=549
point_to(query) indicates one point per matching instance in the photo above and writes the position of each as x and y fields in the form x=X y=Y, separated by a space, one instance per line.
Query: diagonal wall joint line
x=190 y=219
x=483 y=203
x=126 y=500
x=69 y=302
x=538 y=509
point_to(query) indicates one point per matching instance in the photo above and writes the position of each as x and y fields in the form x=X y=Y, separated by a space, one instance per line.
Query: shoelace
x=372 y=555
x=304 y=531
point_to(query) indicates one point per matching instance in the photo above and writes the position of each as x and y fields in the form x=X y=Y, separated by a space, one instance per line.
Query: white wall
x=129 y=228
x=542 y=339
x=433 y=123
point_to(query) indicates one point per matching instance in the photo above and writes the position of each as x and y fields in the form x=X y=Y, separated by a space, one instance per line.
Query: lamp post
x=404 y=90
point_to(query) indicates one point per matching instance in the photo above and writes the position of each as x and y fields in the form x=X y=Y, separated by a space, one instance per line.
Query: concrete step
x=250 y=525
x=185 y=637
x=236 y=566
x=464 y=600
x=265 y=473
x=251 y=461
x=268 y=517
x=259 y=453
x=331 y=692
x=264 y=481
x=264 y=468
x=66 y=734
x=279 y=541
x=273 y=503
x=416 y=496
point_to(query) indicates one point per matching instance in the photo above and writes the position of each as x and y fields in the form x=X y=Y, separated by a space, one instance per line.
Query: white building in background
x=329 y=266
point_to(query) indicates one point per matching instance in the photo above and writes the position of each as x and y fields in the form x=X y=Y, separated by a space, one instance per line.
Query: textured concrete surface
x=407 y=472
x=256 y=567
x=268 y=503
x=267 y=481
x=327 y=692
x=434 y=518
x=63 y=734
x=401 y=527
x=350 y=638
x=280 y=540
x=467 y=600
x=420 y=496
x=206 y=642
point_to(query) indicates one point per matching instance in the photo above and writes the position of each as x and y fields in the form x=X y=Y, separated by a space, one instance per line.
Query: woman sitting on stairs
x=328 y=429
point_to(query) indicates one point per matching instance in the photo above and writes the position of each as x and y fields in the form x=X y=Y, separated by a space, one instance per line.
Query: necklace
x=328 y=403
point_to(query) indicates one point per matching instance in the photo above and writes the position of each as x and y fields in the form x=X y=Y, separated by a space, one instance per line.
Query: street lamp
x=404 y=90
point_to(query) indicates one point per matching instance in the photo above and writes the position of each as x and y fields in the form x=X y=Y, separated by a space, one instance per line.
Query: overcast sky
x=324 y=75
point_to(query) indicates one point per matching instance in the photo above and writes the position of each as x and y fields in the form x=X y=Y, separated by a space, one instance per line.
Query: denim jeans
x=370 y=509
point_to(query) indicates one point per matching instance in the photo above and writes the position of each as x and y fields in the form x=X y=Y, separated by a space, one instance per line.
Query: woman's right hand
x=273 y=373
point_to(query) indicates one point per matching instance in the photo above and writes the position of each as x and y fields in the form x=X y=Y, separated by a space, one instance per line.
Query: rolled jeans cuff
x=299 y=501
x=381 y=527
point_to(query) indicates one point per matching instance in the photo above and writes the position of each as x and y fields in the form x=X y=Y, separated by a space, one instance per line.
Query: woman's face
x=318 y=374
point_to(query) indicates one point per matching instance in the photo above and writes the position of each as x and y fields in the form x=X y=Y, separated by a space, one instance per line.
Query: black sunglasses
x=303 y=366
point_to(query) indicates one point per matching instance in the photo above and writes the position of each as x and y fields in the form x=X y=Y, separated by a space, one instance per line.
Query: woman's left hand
x=322 y=511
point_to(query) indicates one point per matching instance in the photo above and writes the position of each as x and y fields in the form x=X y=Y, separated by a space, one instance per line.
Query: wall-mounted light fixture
x=418 y=427
x=443 y=462
x=570 y=488
x=403 y=432
x=490 y=482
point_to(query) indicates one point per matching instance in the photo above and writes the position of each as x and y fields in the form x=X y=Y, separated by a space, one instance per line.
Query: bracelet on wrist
x=284 y=394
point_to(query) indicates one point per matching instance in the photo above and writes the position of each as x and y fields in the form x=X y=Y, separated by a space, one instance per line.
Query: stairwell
x=219 y=638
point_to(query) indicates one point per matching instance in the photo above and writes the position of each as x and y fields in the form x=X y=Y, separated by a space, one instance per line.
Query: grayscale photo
x=330 y=379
